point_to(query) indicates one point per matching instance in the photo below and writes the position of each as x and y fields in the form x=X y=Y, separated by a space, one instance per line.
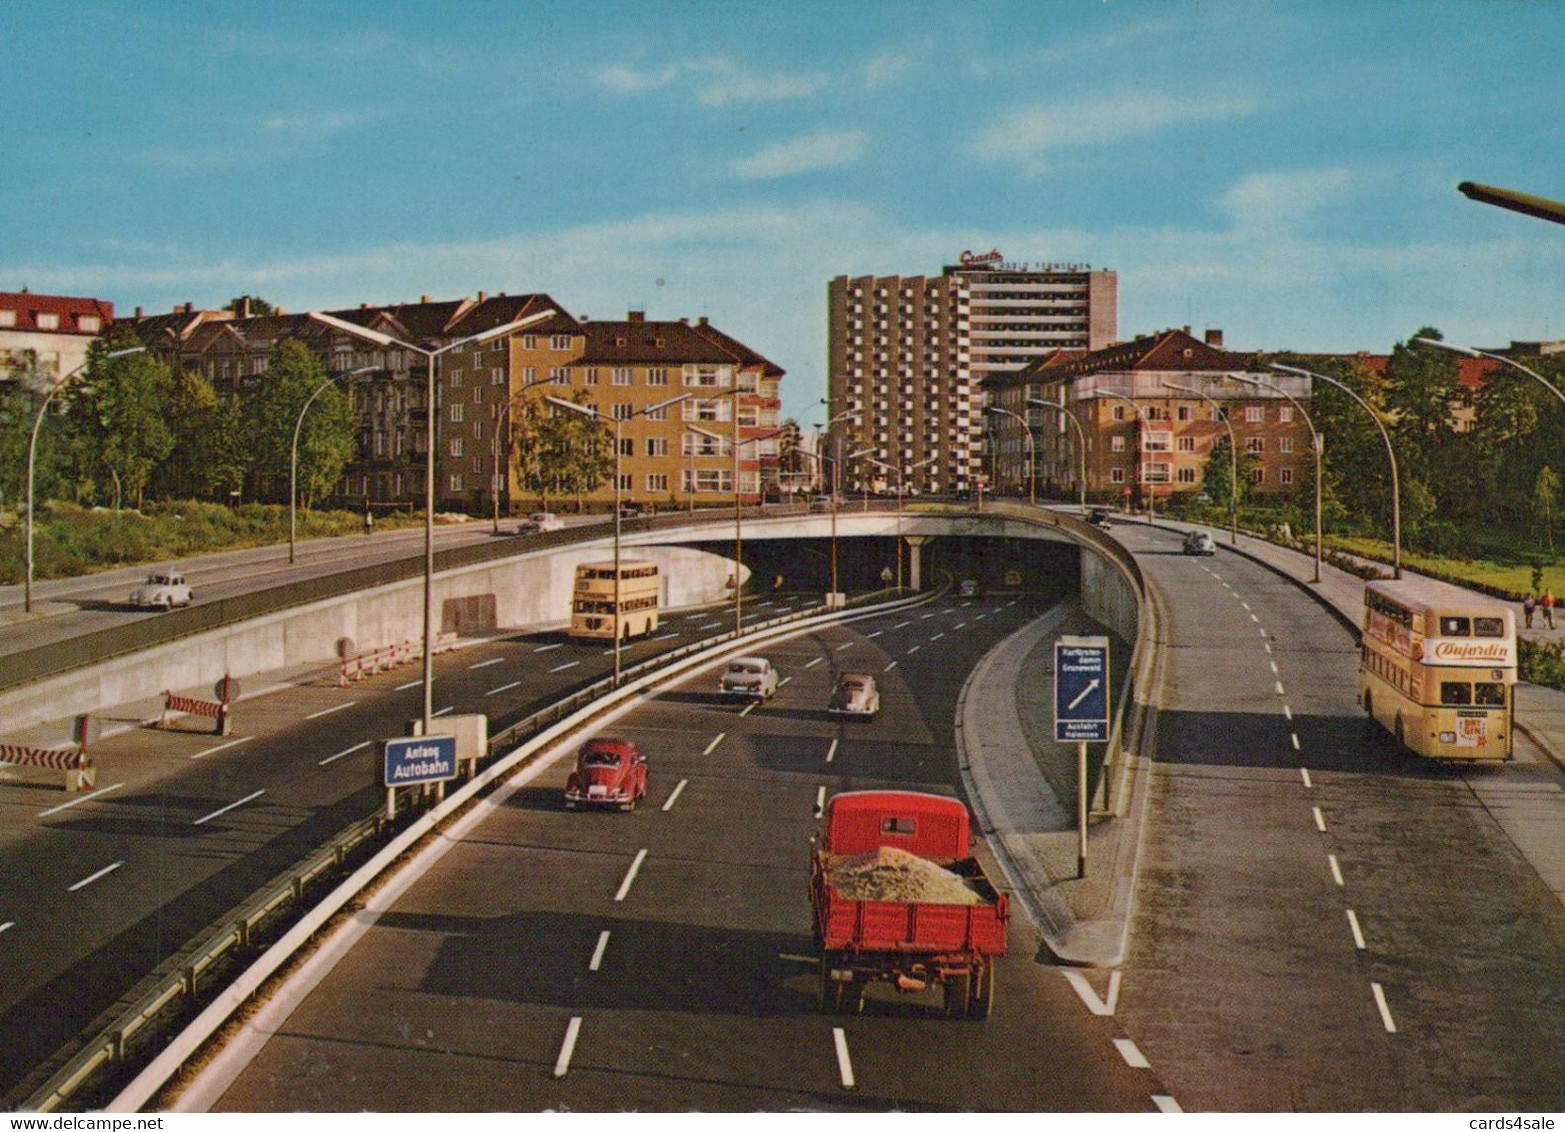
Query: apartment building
x=908 y=356
x=45 y=337
x=1150 y=411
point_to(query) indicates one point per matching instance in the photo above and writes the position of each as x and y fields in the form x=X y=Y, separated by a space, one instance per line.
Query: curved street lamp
x=901 y=488
x=1470 y=352
x=1317 y=441
x=431 y=358
x=1233 y=459
x=1396 y=490
x=1081 y=439
x=1540 y=207
x=499 y=426
x=618 y=423
x=32 y=455
x=1032 y=456
x=1141 y=414
x=738 y=519
x=293 y=454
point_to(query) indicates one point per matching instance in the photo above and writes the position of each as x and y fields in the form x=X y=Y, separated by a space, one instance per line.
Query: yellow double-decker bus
x=603 y=608
x=1438 y=667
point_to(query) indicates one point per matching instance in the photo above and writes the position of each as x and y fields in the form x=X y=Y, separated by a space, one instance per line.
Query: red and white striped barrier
x=186 y=705
x=385 y=659
x=80 y=774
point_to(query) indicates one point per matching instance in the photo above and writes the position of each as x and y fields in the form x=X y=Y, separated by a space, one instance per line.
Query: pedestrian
x=1529 y=603
x=1548 y=608
x=369 y=521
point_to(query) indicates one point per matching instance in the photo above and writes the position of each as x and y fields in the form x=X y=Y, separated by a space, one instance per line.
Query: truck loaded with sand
x=899 y=898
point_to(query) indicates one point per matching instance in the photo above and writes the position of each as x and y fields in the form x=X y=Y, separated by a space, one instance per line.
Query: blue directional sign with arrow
x=1081 y=690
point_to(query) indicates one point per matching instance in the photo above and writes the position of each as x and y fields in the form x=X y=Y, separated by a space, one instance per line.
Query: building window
x=1254 y=414
x=1116 y=444
x=658 y=414
x=623 y=410
x=657 y=481
x=591 y=375
x=88 y=323
x=457 y=411
x=1116 y=475
x=621 y=375
x=1186 y=444
x=1257 y=475
x=559 y=375
x=7 y=318
x=1119 y=412
x=48 y=320
x=1185 y=412
x=456 y=481
x=559 y=341
x=529 y=341
x=456 y=446
x=1255 y=445
x=1285 y=476
x=1285 y=414
x=627 y=446
x=529 y=374
x=456 y=378
x=1285 y=444
x=658 y=375
x=496 y=375
x=626 y=481
x=1185 y=475
x=657 y=446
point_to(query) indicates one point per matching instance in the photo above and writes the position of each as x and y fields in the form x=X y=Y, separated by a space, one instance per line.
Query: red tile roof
x=29 y=306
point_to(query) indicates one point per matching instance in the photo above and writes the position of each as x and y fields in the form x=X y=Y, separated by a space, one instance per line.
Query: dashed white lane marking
x=7 y=926
x=925 y=616
x=1166 y=1103
x=783 y=683
x=442 y=711
x=221 y=747
x=597 y=952
x=712 y=746
x=1254 y=618
x=1320 y=818
x=844 y=648
x=889 y=667
x=99 y=875
x=665 y=636
x=562 y=1064
x=503 y=688
x=914 y=649
x=980 y=617
x=786 y=957
x=546 y=648
x=1287 y=711
x=936 y=637
x=1278 y=686
x=1263 y=632
x=959 y=625
x=98 y=793
x=1133 y=1056
x=1268 y=647
x=1084 y=991
x=328 y=711
x=831 y=752
x=749 y=707
x=230 y=806
x=409 y=684
x=345 y=754
x=486 y=663
x=1275 y=671
x=820 y=800
x=630 y=877
x=674 y=796
x=844 y=1062
x=1294 y=735
x=1336 y=870
x=563 y=667
x=872 y=636
x=1385 y=1010
x=900 y=624
x=1246 y=605
x=813 y=663
x=1304 y=771
x=1358 y=933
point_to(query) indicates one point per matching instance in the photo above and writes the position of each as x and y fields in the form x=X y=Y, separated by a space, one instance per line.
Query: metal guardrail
x=56 y=658
x=178 y=982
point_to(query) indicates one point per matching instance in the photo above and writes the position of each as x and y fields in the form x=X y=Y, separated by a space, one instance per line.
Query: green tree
x=1217 y=474
x=1545 y=502
x=327 y=439
x=558 y=453
x=119 y=417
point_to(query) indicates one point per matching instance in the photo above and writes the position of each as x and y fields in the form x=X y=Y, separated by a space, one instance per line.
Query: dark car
x=1101 y=517
x=629 y=510
x=609 y=772
x=1199 y=542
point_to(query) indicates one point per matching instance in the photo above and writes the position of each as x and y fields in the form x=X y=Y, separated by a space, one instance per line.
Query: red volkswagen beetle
x=609 y=772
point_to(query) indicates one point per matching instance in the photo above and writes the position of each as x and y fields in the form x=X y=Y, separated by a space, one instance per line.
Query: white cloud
x=1269 y=201
x=881 y=69
x=745 y=86
x=1030 y=130
x=803 y=155
x=721 y=81
x=623 y=80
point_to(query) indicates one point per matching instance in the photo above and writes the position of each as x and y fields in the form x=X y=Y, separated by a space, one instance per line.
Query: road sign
x=411 y=761
x=1081 y=690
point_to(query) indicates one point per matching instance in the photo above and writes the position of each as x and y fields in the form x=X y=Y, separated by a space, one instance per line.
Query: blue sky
x=1286 y=172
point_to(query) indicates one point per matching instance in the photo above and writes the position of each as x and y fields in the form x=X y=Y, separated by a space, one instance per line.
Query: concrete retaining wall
x=1107 y=595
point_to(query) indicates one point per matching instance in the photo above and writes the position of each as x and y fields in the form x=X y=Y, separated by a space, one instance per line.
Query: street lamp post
x=1233 y=458
x=431 y=358
x=1032 y=461
x=901 y=488
x=293 y=456
x=1142 y=416
x=1317 y=442
x=1470 y=352
x=1081 y=439
x=738 y=513
x=618 y=423
x=1391 y=456
x=32 y=455
x=499 y=427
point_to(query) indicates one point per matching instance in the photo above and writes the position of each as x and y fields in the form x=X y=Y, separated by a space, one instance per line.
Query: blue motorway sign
x=411 y=761
x=1081 y=690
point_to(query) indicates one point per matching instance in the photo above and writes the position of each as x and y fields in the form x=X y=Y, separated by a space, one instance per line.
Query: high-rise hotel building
x=908 y=354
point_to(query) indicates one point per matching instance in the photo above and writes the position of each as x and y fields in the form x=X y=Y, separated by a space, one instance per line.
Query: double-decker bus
x=1437 y=668
x=603 y=608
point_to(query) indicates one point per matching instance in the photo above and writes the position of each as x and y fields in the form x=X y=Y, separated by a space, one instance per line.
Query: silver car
x=748 y=677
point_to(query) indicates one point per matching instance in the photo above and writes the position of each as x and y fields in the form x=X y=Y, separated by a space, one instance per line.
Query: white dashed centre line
x=546 y=648
x=914 y=649
x=1278 y=686
x=562 y=1064
x=820 y=800
x=1133 y=1056
x=665 y=636
x=7 y=926
x=1254 y=618
x=1336 y=870
x=328 y=711
x=844 y=1062
x=1166 y=1103
x=98 y=793
x=1268 y=647
x=345 y=754
x=959 y=625
x=221 y=747
x=99 y=875
x=842 y=648
x=1385 y=1010
x=1287 y=711
x=486 y=663
x=813 y=663
x=674 y=796
x=1304 y=773
x=783 y=683
x=872 y=636
x=712 y=746
x=831 y=752
x=1358 y=933
x=1262 y=632
x=442 y=711
x=230 y=806
x=503 y=688
x=563 y=667
x=409 y=684
x=749 y=707
x=1294 y=735
x=597 y=952
x=901 y=624
x=1320 y=818
x=1275 y=672
x=630 y=877
x=936 y=637
x=889 y=667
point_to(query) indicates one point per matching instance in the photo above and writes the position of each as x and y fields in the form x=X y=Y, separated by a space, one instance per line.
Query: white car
x=539 y=522
x=1199 y=542
x=161 y=591
x=749 y=677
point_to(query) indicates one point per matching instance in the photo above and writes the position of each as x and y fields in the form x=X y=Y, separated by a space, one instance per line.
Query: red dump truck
x=899 y=898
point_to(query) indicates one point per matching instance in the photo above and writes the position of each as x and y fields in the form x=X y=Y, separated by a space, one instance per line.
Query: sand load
x=897 y=876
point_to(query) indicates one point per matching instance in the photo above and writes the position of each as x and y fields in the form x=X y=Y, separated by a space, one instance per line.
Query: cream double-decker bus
x=1438 y=667
x=602 y=609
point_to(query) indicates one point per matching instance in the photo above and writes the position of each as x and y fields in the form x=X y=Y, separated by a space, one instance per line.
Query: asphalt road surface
x=663 y=959
x=1323 y=924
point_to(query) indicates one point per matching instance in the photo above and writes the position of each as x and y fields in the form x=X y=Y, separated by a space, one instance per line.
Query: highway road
x=100 y=888
x=662 y=959
x=1323 y=924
